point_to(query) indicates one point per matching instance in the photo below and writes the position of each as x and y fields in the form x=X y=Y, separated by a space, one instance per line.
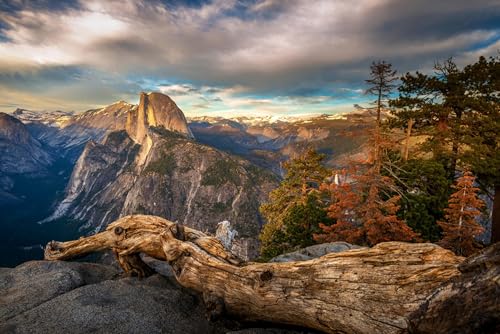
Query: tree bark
x=376 y=290
x=495 y=216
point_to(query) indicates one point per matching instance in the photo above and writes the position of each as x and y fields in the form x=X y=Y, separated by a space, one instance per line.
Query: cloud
x=236 y=100
x=271 y=48
x=63 y=87
x=177 y=89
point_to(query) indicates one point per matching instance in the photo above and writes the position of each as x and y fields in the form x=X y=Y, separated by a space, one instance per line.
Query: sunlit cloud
x=264 y=54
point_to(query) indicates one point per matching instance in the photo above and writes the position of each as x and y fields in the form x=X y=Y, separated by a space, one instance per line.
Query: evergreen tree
x=361 y=212
x=363 y=209
x=381 y=84
x=459 y=112
x=294 y=209
x=460 y=226
x=482 y=131
x=436 y=105
x=426 y=189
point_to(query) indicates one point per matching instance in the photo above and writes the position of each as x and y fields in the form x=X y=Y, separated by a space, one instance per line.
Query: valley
x=149 y=159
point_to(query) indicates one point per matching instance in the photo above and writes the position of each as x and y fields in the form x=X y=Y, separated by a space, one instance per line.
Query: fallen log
x=393 y=287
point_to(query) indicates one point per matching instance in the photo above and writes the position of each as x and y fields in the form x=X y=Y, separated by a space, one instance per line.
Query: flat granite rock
x=36 y=282
x=76 y=297
x=72 y=297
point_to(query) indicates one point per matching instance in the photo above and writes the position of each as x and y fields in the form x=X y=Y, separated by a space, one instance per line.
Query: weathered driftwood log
x=390 y=288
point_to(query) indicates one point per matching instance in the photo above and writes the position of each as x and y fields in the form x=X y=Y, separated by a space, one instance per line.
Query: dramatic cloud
x=263 y=52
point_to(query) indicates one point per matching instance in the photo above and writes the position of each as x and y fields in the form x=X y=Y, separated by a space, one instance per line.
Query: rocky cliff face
x=20 y=152
x=156 y=110
x=155 y=167
x=20 y=155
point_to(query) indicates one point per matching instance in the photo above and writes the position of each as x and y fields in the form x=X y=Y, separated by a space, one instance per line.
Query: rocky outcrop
x=155 y=110
x=311 y=252
x=58 y=297
x=62 y=297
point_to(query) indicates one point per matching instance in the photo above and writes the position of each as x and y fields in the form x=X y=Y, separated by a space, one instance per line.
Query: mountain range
x=149 y=158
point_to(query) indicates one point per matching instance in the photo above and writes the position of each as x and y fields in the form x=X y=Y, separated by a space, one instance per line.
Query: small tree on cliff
x=460 y=226
x=364 y=215
x=381 y=83
x=294 y=209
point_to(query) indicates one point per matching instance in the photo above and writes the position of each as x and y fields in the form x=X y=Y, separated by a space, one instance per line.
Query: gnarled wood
x=376 y=290
x=467 y=304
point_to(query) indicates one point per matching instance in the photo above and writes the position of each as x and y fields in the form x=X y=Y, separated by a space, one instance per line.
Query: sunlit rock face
x=155 y=110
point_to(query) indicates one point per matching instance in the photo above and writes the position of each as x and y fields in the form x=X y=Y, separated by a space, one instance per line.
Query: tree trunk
x=495 y=216
x=384 y=289
x=407 y=141
x=379 y=105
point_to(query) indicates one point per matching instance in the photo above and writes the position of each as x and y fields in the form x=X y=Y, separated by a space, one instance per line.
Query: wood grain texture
x=376 y=290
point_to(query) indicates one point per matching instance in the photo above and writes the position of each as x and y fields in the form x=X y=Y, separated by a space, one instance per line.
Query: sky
x=228 y=57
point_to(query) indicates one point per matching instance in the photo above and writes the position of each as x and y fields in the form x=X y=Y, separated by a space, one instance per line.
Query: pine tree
x=294 y=209
x=459 y=111
x=363 y=216
x=363 y=209
x=481 y=134
x=381 y=82
x=436 y=106
x=426 y=190
x=460 y=226
x=347 y=226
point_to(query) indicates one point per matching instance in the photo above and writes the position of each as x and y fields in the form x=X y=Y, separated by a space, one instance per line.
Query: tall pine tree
x=381 y=83
x=362 y=208
x=458 y=110
x=482 y=131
